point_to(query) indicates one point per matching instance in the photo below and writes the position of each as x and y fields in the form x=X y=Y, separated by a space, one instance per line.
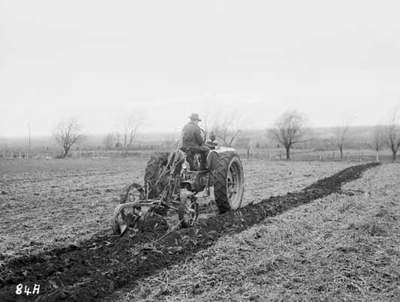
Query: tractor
x=172 y=182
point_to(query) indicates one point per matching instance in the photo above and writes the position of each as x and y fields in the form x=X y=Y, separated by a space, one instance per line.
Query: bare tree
x=289 y=130
x=393 y=135
x=341 y=136
x=66 y=134
x=226 y=127
x=130 y=128
x=378 y=139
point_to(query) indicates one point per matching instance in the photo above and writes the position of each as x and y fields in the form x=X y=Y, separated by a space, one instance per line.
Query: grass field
x=344 y=247
x=48 y=203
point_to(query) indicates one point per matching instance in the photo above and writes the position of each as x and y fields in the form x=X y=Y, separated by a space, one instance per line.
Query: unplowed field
x=59 y=202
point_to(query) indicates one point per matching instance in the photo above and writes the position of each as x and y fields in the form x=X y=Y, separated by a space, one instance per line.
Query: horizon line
x=88 y=134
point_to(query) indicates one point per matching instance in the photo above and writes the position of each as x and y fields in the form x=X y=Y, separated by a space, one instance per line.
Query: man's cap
x=195 y=117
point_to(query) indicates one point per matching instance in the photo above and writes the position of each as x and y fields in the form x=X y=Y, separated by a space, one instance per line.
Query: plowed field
x=50 y=203
x=58 y=211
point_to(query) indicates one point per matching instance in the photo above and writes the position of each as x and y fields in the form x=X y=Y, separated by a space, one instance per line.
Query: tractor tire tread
x=219 y=180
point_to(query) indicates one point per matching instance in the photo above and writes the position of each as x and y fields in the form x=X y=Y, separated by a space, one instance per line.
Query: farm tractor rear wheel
x=228 y=178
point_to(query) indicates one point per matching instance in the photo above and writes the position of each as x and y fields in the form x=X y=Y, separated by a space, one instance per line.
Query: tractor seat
x=196 y=159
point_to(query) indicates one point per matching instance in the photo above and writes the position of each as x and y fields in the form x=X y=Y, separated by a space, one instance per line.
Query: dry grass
x=345 y=247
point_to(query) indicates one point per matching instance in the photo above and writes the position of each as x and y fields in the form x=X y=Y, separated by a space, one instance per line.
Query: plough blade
x=122 y=229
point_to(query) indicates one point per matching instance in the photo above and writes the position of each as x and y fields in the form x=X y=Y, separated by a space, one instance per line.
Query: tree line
x=290 y=129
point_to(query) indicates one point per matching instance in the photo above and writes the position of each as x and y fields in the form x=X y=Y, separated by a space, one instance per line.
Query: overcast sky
x=98 y=60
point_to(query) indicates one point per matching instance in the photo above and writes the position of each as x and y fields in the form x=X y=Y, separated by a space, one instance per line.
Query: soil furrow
x=105 y=263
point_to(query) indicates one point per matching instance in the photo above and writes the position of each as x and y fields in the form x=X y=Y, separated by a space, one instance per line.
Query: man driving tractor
x=169 y=187
x=193 y=142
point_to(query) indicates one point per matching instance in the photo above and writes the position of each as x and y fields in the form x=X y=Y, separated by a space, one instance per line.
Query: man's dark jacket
x=191 y=136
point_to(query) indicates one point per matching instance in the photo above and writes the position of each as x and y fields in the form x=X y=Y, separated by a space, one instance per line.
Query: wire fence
x=360 y=155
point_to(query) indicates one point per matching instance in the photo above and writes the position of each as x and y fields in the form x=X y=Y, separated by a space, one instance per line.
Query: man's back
x=191 y=135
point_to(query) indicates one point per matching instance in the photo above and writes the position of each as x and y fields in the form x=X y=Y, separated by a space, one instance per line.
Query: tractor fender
x=224 y=149
x=212 y=156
